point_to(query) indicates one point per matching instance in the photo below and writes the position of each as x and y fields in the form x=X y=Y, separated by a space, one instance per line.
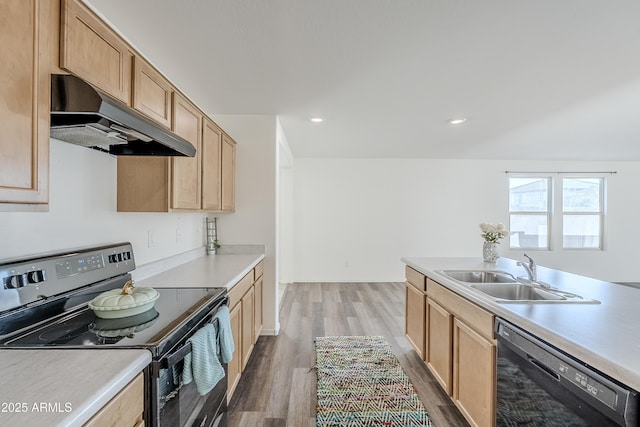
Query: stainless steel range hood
x=83 y=115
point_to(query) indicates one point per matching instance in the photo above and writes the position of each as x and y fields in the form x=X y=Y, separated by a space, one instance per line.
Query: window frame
x=555 y=209
x=548 y=213
x=601 y=213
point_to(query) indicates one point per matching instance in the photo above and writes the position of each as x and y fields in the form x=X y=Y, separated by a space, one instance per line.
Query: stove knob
x=36 y=276
x=15 y=281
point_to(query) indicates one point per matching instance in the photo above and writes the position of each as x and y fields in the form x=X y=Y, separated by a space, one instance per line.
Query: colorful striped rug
x=361 y=383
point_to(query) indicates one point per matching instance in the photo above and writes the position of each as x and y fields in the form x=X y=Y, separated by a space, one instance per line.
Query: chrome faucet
x=530 y=268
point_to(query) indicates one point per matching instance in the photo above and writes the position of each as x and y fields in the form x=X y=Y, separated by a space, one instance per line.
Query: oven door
x=175 y=404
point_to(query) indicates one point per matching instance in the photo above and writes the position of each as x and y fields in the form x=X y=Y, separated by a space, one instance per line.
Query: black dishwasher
x=539 y=385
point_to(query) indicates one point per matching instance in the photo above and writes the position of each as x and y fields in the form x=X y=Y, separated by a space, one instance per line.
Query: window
x=582 y=213
x=572 y=205
x=529 y=212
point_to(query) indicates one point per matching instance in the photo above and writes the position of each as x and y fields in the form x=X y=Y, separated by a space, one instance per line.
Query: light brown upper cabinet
x=187 y=171
x=151 y=92
x=218 y=169
x=26 y=32
x=211 y=166
x=93 y=51
x=228 y=174
x=163 y=184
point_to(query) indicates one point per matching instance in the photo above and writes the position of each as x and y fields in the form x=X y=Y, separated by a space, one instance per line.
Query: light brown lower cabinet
x=439 y=349
x=474 y=373
x=246 y=322
x=459 y=347
x=415 y=318
x=416 y=297
x=126 y=409
x=257 y=307
x=234 y=367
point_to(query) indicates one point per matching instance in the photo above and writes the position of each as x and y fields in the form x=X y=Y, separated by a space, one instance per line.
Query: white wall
x=254 y=220
x=82 y=212
x=355 y=218
x=285 y=209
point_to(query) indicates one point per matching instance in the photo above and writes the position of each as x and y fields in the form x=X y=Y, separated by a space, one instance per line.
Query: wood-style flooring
x=278 y=385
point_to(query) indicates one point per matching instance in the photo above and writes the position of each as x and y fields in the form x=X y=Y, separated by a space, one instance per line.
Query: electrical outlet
x=151 y=238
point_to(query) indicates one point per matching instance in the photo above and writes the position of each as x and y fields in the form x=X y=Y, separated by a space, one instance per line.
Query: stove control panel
x=29 y=280
x=79 y=265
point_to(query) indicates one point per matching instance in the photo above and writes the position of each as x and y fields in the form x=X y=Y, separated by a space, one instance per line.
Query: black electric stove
x=44 y=304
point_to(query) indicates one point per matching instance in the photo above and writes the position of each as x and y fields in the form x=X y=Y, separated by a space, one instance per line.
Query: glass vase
x=490 y=252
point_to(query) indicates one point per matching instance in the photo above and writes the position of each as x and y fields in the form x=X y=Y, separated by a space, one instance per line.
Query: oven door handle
x=177 y=356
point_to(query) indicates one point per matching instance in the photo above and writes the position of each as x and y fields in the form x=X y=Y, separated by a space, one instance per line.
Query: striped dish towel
x=202 y=365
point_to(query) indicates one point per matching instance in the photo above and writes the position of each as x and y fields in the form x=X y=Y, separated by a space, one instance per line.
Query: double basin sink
x=505 y=288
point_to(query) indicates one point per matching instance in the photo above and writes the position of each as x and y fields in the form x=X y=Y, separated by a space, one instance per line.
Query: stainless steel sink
x=518 y=292
x=503 y=287
x=480 y=276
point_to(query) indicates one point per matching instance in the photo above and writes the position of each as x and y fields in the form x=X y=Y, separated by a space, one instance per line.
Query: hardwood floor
x=278 y=386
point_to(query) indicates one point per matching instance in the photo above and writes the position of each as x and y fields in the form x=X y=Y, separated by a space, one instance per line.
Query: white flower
x=493 y=233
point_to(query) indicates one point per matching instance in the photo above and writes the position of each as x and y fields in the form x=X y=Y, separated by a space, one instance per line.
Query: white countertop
x=62 y=387
x=603 y=335
x=209 y=271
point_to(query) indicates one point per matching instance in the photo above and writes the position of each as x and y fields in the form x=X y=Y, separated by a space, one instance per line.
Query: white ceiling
x=537 y=79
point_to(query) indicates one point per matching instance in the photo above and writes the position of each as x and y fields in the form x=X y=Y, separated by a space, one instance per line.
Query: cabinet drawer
x=418 y=280
x=480 y=319
x=237 y=292
x=125 y=409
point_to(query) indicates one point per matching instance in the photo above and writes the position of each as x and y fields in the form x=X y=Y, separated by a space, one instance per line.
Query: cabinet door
x=234 y=367
x=143 y=183
x=93 y=51
x=211 y=166
x=415 y=320
x=248 y=307
x=151 y=92
x=440 y=340
x=125 y=409
x=474 y=375
x=25 y=30
x=228 y=173
x=186 y=181
x=257 y=313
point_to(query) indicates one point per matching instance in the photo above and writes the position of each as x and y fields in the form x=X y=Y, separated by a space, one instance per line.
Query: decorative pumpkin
x=129 y=301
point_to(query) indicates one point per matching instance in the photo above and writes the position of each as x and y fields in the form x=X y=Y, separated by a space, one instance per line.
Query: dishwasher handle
x=544 y=368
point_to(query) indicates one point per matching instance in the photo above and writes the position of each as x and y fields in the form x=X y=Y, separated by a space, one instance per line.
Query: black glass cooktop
x=175 y=310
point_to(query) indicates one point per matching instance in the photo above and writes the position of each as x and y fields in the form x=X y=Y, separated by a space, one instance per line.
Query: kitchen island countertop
x=63 y=387
x=604 y=335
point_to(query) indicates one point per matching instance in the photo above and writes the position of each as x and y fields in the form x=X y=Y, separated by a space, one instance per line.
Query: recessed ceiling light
x=457 y=121
x=316 y=119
